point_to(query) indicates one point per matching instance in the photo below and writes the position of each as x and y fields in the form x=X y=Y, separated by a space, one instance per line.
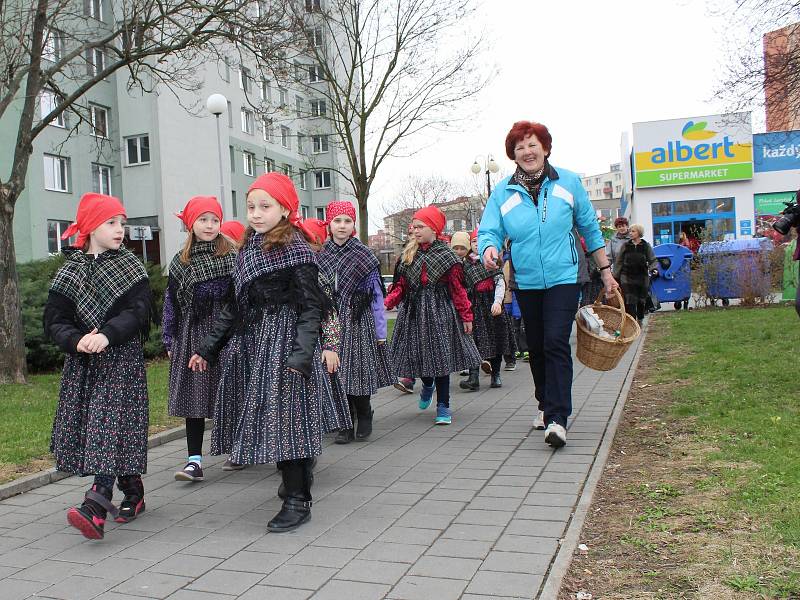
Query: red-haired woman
x=537 y=209
x=619 y=239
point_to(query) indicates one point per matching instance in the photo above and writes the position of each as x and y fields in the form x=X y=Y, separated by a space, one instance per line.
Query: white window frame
x=282 y=93
x=48 y=102
x=314 y=73
x=264 y=90
x=137 y=139
x=269 y=165
x=319 y=179
x=61 y=227
x=96 y=60
x=248 y=121
x=313 y=5
x=319 y=108
x=249 y=163
x=300 y=142
x=101 y=178
x=268 y=129
x=53 y=49
x=94 y=111
x=59 y=173
x=321 y=213
x=230 y=115
x=304 y=211
x=286 y=135
x=320 y=144
x=303 y=180
x=298 y=105
x=316 y=36
x=94 y=9
x=287 y=170
x=244 y=79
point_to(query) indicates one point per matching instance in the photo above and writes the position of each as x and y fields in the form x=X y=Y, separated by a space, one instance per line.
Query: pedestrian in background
x=635 y=263
x=619 y=239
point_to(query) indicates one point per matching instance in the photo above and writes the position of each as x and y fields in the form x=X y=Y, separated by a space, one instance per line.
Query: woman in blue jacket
x=537 y=209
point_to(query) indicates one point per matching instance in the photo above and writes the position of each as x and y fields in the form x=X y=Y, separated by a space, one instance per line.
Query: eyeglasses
x=418 y=227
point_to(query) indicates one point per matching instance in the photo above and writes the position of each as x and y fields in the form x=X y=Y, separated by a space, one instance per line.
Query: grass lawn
x=701 y=493
x=26 y=414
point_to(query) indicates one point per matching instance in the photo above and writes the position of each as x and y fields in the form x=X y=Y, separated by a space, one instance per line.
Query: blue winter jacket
x=543 y=247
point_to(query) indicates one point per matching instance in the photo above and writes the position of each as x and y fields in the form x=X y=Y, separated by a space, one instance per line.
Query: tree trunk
x=363 y=221
x=12 y=339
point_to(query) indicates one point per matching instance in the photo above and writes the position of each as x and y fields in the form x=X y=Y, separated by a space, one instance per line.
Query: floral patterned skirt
x=365 y=365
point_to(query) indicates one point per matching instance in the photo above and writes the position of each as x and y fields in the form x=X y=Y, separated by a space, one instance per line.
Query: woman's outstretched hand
x=490 y=258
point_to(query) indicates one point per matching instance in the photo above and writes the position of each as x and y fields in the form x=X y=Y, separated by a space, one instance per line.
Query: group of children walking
x=277 y=332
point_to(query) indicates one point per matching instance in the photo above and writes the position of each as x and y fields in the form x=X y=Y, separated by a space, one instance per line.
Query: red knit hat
x=93 y=211
x=233 y=229
x=198 y=206
x=280 y=187
x=317 y=228
x=432 y=217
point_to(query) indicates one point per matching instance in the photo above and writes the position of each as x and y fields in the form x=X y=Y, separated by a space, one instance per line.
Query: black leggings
x=442 y=388
x=195 y=429
x=359 y=405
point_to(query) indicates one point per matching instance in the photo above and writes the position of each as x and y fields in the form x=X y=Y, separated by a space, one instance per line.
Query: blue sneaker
x=443 y=416
x=425 y=396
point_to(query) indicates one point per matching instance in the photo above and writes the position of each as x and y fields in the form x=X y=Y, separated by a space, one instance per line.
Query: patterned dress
x=429 y=338
x=100 y=425
x=358 y=292
x=194 y=298
x=270 y=398
x=494 y=336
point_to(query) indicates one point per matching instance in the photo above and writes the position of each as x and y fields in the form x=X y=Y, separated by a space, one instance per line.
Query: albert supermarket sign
x=694 y=150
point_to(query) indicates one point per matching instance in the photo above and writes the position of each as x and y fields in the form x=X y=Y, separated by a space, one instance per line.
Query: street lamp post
x=490 y=166
x=216 y=105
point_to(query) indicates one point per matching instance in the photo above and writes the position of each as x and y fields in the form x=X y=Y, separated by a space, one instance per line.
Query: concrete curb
x=552 y=584
x=36 y=480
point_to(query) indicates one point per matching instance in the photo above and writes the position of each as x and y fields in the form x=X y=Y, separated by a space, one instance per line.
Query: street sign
x=140 y=232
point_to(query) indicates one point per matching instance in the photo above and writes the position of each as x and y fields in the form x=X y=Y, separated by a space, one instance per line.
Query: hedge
x=34 y=280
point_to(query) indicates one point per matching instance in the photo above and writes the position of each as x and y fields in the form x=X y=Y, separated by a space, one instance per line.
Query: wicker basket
x=603 y=354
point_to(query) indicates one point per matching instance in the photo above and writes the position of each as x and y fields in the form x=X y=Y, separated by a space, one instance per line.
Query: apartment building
x=605 y=191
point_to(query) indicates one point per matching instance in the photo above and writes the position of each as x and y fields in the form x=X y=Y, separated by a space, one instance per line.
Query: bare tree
x=764 y=59
x=55 y=49
x=384 y=71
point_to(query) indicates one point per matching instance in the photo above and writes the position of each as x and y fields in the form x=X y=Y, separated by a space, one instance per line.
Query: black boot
x=296 y=508
x=496 y=381
x=133 y=503
x=472 y=383
x=282 y=487
x=345 y=436
x=364 y=412
x=90 y=517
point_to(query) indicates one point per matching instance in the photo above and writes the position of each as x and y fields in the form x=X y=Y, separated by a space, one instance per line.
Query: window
x=281 y=97
x=55 y=229
x=597 y=180
x=269 y=130
x=101 y=179
x=298 y=70
x=53 y=46
x=48 y=102
x=234 y=211
x=301 y=140
x=94 y=8
x=322 y=180
x=313 y=5
x=269 y=165
x=99 y=119
x=226 y=71
x=95 y=61
x=314 y=73
x=264 y=91
x=248 y=124
x=244 y=79
x=320 y=143
x=304 y=180
x=315 y=36
x=320 y=213
x=286 y=170
x=285 y=133
x=304 y=212
x=249 y=163
x=138 y=149
x=230 y=115
x=233 y=159
x=298 y=105
x=56 y=173
x=318 y=108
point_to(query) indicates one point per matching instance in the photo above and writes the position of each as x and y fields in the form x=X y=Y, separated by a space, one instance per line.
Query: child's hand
x=198 y=363
x=97 y=343
x=331 y=360
x=497 y=309
x=169 y=354
x=82 y=343
x=468 y=327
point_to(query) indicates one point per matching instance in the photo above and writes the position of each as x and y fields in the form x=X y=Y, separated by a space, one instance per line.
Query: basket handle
x=619 y=298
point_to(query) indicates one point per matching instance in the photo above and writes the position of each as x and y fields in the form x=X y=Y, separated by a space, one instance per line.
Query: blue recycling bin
x=674 y=281
x=735 y=268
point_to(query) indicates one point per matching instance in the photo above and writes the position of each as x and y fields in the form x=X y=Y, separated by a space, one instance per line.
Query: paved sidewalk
x=474 y=511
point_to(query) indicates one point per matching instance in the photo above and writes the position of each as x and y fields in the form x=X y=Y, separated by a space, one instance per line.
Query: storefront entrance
x=700 y=220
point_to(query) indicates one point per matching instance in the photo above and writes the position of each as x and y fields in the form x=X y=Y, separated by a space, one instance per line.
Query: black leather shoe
x=345 y=436
x=496 y=381
x=293 y=513
x=364 y=427
x=472 y=383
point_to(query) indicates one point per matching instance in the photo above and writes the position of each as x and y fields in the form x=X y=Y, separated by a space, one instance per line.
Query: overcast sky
x=587 y=70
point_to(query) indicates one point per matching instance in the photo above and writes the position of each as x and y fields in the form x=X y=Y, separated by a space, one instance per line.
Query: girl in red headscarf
x=432 y=333
x=358 y=294
x=98 y=311
x=270 y=396
x=199 y=286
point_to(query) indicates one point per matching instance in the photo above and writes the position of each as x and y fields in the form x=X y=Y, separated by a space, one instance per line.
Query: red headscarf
x=473 y=234
x=432 y=217
x=196 y=207
x=233 y=229
x=280 y=187
x=93 y=211
x=317 y=228
x=337 y=208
